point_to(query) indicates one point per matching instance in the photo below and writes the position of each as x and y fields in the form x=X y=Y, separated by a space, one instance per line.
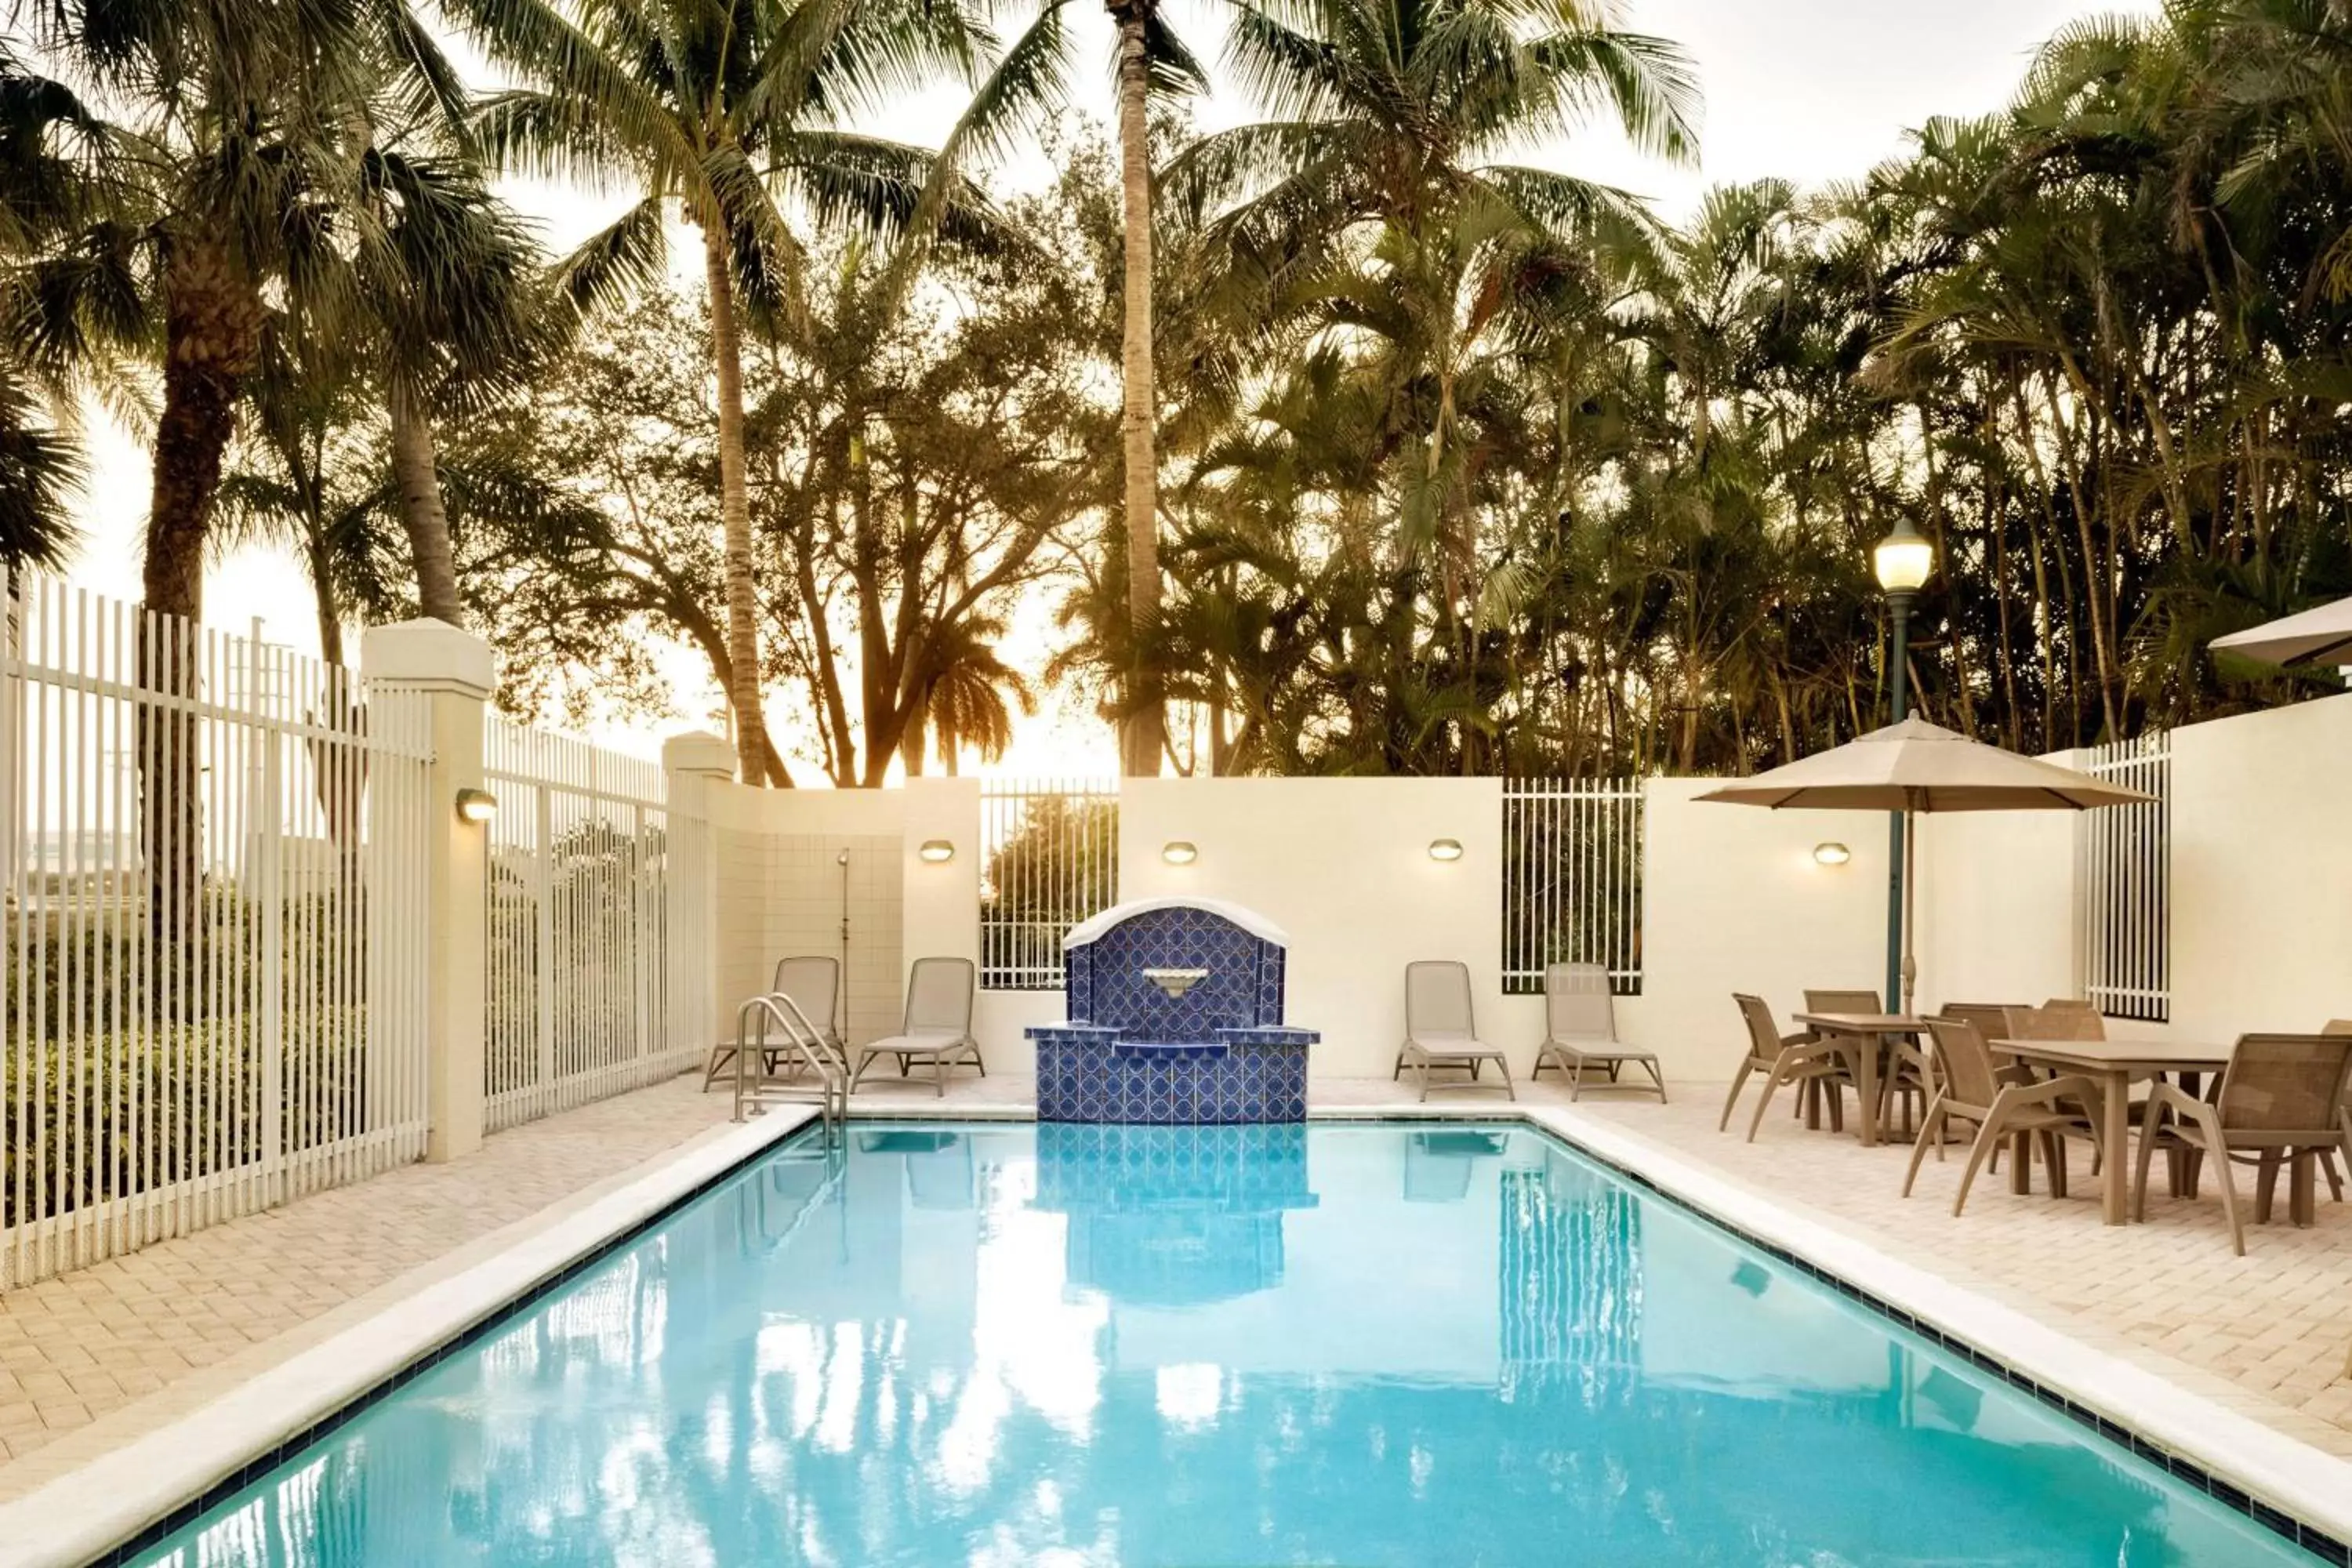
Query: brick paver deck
x=90 y=1358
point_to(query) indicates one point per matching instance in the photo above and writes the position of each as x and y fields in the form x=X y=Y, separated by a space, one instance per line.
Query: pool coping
x=123 y=1500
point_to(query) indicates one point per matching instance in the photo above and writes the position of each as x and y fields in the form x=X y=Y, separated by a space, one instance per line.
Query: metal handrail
x=803 y=1040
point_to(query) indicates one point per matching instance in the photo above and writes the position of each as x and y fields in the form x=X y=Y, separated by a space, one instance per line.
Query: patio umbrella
x=2321 y=637
x=1913 y=767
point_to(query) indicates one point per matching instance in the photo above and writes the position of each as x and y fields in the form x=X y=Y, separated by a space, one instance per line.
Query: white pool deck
x=156 y=1369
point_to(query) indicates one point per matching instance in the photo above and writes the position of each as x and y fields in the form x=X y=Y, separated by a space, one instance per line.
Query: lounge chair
x=938 y=1025
x=2002 y=1104
x=1802 y=1057
x=1581 y=1031
x=813 y=984
x=1439 y=1031
x=2281 y=1100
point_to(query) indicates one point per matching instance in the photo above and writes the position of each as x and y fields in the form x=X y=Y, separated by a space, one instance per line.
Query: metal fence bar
x=595 y=890
x=2127 y=884
x=214 y=927
x=1049 y=858
x=1571 y=880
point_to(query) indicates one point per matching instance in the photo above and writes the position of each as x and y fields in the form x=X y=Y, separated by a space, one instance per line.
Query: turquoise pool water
x=1012 y=1345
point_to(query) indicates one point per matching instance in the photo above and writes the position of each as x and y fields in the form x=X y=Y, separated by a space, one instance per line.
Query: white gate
x=596 y=925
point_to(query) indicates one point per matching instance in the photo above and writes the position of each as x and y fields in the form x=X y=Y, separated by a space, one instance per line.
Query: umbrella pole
x=1910 y=903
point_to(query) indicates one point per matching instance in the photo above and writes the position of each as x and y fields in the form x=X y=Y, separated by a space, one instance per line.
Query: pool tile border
x=2194 y=1468
x=108 y=1512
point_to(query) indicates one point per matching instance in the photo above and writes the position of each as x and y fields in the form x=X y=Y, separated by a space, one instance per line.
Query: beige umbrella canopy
x=2320 y=636
x=1912 y=767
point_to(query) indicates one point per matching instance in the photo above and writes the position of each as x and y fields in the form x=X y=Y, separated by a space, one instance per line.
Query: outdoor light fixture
x=937 y=851
x=1445 y=849
x=1903 y=559
x=1832 y=854
x=476 y=805
x=1177 y=852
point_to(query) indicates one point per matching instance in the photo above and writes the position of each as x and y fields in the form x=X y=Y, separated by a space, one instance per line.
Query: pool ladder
x=774 y=1026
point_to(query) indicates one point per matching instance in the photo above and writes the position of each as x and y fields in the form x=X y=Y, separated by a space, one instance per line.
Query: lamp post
x=1902 y=562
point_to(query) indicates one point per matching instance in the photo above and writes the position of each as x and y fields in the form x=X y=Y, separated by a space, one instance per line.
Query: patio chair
x=813 y=984
x=1440 y=1033
x=1802 y=1057
x=2281 y=1101
x=2001 y=1105
x=1581 y=1031
x=938 y=1025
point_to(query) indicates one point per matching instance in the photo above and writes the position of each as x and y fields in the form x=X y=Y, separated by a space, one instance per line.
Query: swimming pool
x=1371 y=1343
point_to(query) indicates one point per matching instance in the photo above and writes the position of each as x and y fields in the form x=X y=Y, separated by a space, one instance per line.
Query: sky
x=1811 y=90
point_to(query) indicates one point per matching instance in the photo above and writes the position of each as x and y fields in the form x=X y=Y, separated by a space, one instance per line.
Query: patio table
x=1866 y=1030
x=2113 y=1065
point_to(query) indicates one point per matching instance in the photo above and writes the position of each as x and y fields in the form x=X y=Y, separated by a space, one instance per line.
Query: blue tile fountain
x=1175 y=1019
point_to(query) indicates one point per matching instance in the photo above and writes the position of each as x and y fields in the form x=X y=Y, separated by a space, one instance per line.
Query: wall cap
x=699 y=752
x=430 y=655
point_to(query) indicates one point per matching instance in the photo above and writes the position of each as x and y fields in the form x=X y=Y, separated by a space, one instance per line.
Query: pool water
x=1017 y=1345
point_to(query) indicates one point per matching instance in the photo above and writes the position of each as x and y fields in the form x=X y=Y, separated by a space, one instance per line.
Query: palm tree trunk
x=426 y=521
x=212 y=340
x=735 y=517
x=1141 y=732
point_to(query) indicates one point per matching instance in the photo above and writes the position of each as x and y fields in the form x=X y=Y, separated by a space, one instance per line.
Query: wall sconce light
x=1177 y=852
x=477 y=805
x=1445 y=849
x=1832 y=854
x=937 y=851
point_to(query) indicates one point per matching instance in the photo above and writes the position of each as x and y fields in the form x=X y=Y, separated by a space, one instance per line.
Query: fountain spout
x=1174 y=983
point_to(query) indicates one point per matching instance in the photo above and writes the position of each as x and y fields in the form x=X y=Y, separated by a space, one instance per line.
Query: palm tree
x=720 y=108
x=55 y=175
x=250 y=190
x=1149 y=55
x=452 y=302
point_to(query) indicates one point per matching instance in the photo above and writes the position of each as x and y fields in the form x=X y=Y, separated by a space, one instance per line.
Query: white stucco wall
x=1734 y=901
x=2262 y=871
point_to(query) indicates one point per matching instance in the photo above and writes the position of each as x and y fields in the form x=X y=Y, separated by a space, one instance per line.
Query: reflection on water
x=1172 y=1216
x=1014 y=1345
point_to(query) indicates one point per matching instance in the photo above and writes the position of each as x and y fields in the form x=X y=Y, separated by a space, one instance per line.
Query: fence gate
x=1571 y=880
x=1049 y=858
x=212 y=853
x=2127 y=884
x=596 y=920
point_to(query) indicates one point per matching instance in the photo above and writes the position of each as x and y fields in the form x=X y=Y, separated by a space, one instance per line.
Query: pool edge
x=124 y=1500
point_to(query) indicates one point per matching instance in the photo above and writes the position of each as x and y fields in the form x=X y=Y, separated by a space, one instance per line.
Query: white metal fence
x=212 y=857
x=1571 y=880
x=1049 y=859
x=2127 y=884
x=597 y=925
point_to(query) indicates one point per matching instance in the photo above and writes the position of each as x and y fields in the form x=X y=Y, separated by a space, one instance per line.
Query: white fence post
x=455 y=673
x=691 y=761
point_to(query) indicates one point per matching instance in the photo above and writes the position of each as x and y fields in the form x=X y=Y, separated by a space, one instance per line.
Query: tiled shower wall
x=781 y=895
